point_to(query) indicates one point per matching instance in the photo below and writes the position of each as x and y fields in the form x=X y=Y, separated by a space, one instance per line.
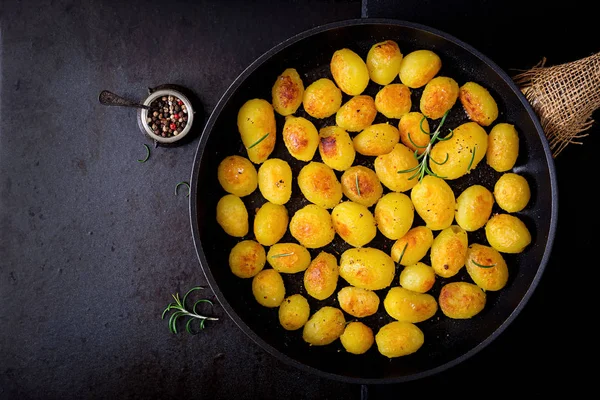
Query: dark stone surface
x=93 y=242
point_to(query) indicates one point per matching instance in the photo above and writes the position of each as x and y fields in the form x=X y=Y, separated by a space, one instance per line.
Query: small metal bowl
x=143 y=115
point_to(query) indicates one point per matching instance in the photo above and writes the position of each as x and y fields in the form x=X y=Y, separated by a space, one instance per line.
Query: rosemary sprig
x=481 y=265
x=183 y=184
x=282 y=255
x=258 y=141
x=147 y=154
x=357 y=185
x=423 y=167
x=402 y=254
x=181 y=311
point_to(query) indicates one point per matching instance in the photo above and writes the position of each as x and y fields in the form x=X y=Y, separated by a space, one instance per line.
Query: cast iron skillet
x=447 y=342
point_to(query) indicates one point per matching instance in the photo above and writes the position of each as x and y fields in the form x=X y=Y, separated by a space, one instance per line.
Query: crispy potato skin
x=367 y=268
x=439 y=97
x=410 y=125
x=358 y=302
x=507 y=233
x=376 y=140
x=503 y=147
x=247 y=258
x=449 y=251
x=383 y=62
x=418 y=277
x=394 y=215
x=357 y=114
x=461 y=300
x=349 y=72
x=301 y=138
x=357 y=338
x=287 y=92
x=474 y=207
x=492 y=272
x=312 y=226
x=478 y=103
x=512 y=192
x=394 y=100
x=413 y=246
x=361 y=185
x=324 y=327
x=419 y=67
x=398 y=339
x=354 y=223
x=319 y=184
x=322 y=98
x=401 y=158
x=268 y=288
x=296 y=258
x=434 y=202
x=237 y=175
x=294 y=312
x=270 y=223
x=232 y=215
x=321 y=277
x=409 y=306
x=255 y=121
x=275 y=180
x=336 y=148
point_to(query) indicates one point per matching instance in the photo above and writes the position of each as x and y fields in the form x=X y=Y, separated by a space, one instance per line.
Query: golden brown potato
x=409 y=306
x=349 y=72
x=287 y=92
x=275 y=180
x=320 y=279
x=460 y=154
x=324 y=327
x=394 y=215
x=393 y=101
x=232 y=215
x=358 y=113
x=256 y=124
x=507 y=233
x=336 y=148
x=512 y=192
x=478 y=103
x=270 y=223
x=473 y=207
x=367 y=268
x=418 y=277
x=438 y=97
x=383 y=62
x=322 y=98
x=388 y=165
x=354 y=223
x=398 y=339
x=419 y=67
x=434 y=202
x=237 y=175
x=247 y=258
x=301 y=138
x=319 y=184
x=358 y=302
x=486 y=267
x=376 y=140
x=449 y=251
x=312 y=226
x=503 y=147
x=357 y=338
x=361 y=185
x=411 y=127
x=288 y=258
x=461 y=300
x=268 y=288
x=413 y=246
x=294 y=312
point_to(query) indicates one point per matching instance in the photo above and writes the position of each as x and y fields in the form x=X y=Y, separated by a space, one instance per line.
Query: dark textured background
x=93 y=243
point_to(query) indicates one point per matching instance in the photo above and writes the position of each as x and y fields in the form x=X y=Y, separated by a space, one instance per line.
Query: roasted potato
x=398 y=339
x=237 y=175
x=287 y=92
x=356 y=114
x=474 y=207
x=358 y=302
x=460 y=154
x=438 y=97
x=486 y=267
x=478 y=103
x=418 y=277
x=349 y=72
x=393 y=101
x=322 y=98
x=503 y=147
x=247 y=258
x=394 y=215
x=275 y=180
x=268 y=288
x=319 y=184
x=413 y=246
x=232 y=215
x=461 y=300
x=367 y=268
x=336 y=148
x=324 y=326
x=401 y=158
x=419 y=67
x=361 y=185
x=383 y=62
x=449 y=251
x=294 y=312
x=512 y=192
x=409 y=306
x=312 y=226
x=434 y=202
x=357 y=338
x=288 y=258
x=270 y=223
x=256 y=124
x=354 y=223
x=320 y=279
x=376 y=140
x=301 y=138
x=411 y=127
x=507 y=233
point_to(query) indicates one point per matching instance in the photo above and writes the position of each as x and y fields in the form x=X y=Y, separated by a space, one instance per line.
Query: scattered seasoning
x=483 y=266
x=258 y=141
x=147 y=154
x=184 y=184
x=282 y=255
x=167 y=116
x=192 y=314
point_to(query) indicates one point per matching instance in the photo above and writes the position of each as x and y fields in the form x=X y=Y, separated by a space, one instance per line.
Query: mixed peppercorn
x=167 y=116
